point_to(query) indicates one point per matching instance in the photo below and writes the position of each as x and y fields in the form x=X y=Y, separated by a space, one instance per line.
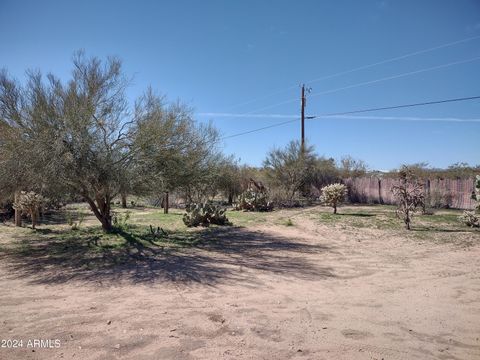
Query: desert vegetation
x=98 y=191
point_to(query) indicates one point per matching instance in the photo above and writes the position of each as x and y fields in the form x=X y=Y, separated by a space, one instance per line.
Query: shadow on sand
x=356 y=214
x=219 y=255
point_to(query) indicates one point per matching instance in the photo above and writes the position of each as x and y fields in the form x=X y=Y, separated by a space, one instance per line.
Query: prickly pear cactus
x=204 y=214
x=251 y=200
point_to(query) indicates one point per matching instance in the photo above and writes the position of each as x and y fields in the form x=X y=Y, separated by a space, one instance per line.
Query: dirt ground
x=265 y=291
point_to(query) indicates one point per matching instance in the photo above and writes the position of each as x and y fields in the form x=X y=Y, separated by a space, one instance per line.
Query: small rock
x=117 y=346
x=173 y=330
x=109 y=322
x=299 y=350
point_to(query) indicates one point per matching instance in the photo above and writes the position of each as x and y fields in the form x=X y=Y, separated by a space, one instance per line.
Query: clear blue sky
x=217 y=54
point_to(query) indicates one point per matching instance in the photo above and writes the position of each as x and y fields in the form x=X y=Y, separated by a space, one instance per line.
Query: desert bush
x=120 y=221
x=30 y=203
x=75 y=225
x=350 y=167
x=333 y=195
x=254 y=200
x=290 y=168
x=438 y=199
x=469 y=218
x=409 y=193
x=204 y=214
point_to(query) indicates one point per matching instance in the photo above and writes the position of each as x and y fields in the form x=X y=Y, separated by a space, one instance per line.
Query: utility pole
x=303 y=116
x=303 y=104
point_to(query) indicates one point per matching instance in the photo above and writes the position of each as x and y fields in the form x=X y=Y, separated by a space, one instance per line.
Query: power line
x=354 y=112
x=395 y=59
x=405 y=118
x=363 y=67
x=259 y=129
x=398 y=106
x=372 y=82
x=397 y=76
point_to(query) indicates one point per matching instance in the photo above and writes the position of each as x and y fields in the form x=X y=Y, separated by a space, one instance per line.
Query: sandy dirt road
x=264 y=292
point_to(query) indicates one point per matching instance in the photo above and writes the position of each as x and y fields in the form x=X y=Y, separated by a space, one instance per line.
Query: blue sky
x=215 y=55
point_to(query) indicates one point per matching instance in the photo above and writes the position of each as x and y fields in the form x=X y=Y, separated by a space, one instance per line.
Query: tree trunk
x=165 y=203
x=18 y=213
x=407 y=221
x=124 y=200
x=102 y=211
x=230 y=198
x=335 y=208
x=33 y=215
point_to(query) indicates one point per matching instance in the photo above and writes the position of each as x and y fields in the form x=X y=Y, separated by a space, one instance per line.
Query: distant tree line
x=82 y=140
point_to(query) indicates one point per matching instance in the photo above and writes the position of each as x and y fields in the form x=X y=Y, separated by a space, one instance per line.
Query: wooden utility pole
x=303 y=116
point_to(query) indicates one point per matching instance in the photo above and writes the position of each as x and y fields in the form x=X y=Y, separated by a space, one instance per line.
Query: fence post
x=380 y=199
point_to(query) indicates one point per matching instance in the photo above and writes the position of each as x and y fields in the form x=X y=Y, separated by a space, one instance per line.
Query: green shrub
x=120 y=221
x=204 y=214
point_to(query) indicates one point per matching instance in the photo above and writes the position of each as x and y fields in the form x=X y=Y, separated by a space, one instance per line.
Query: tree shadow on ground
x=443 y=230
x=356 y=214
x=61 y=216
x=217 y=255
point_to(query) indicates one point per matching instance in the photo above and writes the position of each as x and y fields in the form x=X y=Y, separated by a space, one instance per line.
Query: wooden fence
x=440 y=193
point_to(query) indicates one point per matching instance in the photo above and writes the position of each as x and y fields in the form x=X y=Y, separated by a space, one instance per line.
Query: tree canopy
x=82 y=137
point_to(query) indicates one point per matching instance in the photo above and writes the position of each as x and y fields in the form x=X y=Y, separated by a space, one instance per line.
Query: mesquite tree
x=172 y=151
x=409 y=192
x=290 y=168
x=82 y=137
